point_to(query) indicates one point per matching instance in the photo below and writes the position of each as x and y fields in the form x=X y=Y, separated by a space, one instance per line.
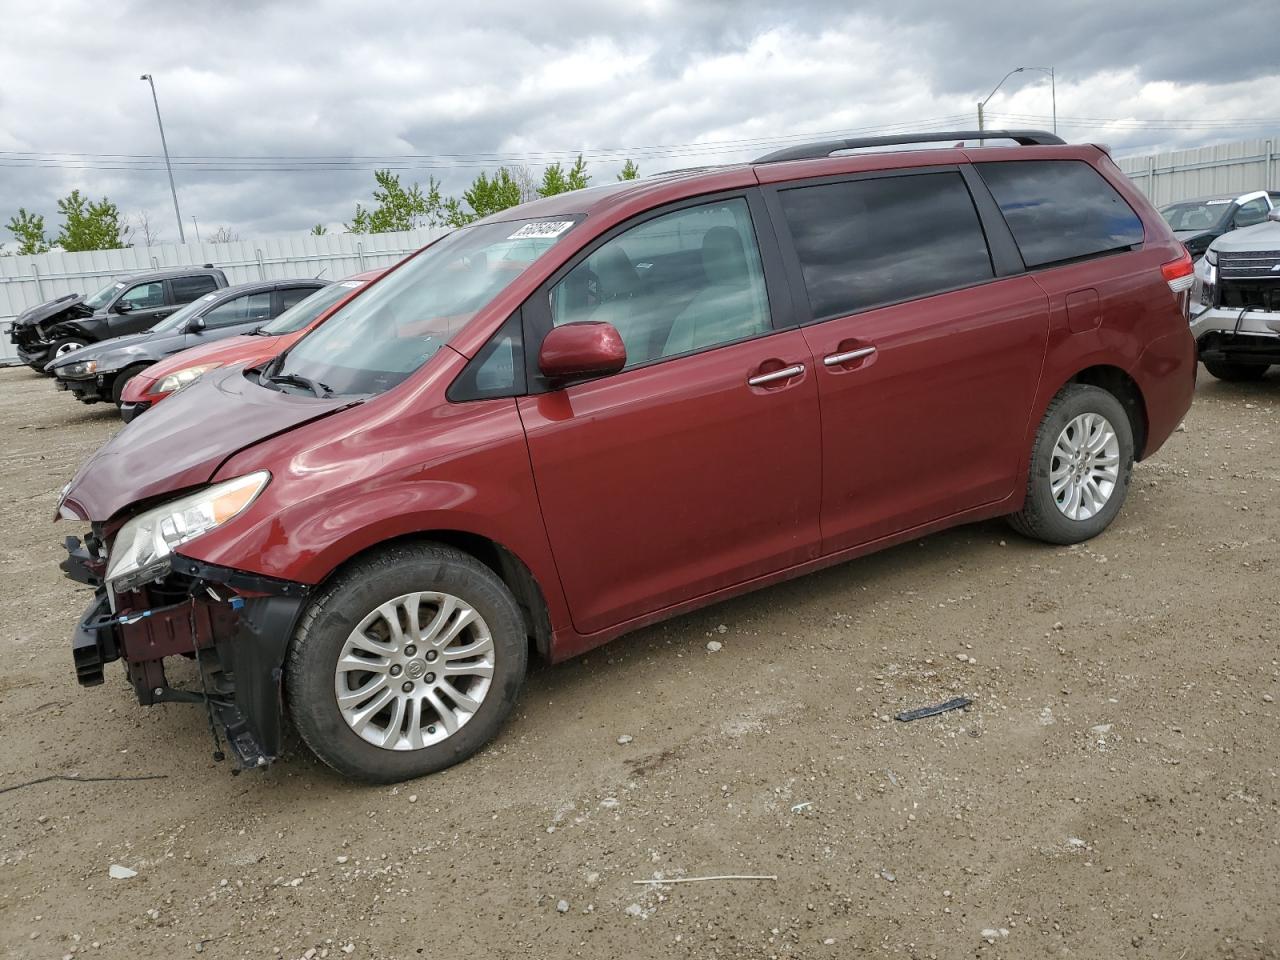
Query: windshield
x=1196 y=214
x=382 y=336
x=178 y=319
x=103 y=296
x=304 y=311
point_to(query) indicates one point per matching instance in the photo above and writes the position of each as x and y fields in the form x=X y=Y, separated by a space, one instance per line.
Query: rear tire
x=1081 y=462
x=122 y=378
x=441 y=679
x=1234 y=372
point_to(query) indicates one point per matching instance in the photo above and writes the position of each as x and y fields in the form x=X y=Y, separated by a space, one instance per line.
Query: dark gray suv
x=128 y=304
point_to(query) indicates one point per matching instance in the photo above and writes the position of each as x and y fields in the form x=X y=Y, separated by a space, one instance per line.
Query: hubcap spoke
x=414 y=670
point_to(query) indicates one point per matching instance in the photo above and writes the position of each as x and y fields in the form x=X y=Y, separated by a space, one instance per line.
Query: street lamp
x=1053 y=86
x=182 y=237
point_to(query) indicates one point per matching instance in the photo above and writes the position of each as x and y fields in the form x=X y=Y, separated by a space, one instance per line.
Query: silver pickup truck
x=1235 y=303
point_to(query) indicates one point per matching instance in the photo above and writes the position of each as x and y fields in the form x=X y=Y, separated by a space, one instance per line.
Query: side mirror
x=195 y=325
x=123 y=306
x=585 y=349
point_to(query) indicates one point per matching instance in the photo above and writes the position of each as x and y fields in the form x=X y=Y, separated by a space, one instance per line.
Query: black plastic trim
x=238 y=579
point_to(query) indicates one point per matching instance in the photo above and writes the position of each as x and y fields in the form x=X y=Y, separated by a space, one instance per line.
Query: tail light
x=1180 y=274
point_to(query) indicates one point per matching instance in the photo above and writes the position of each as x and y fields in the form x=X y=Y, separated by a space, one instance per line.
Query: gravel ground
x=1111 y=793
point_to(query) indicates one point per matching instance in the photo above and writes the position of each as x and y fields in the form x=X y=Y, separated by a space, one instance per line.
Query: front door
x=139 y=308
x=927 y=364
x=697 y=466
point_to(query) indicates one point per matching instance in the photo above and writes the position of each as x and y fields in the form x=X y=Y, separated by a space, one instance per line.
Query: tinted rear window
x=883 y=240
x=1060 y=210
x=186 y=289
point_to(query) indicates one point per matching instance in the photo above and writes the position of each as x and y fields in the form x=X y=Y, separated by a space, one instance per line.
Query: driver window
x=682 y=282
x=144 y=296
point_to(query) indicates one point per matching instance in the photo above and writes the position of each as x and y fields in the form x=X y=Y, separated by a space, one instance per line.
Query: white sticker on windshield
x=541 y=229
x=1215 y=203
x=350 y=283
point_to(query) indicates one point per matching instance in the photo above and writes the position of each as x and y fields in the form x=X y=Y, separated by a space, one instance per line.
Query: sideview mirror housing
x=123 y=306
x=587 y=349
x=196 y=324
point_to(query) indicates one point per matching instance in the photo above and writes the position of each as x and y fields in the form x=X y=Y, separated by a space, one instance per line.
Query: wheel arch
x=499 y=558
x=1124 y=388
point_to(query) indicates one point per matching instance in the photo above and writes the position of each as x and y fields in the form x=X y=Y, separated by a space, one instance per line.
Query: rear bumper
x=235 y=627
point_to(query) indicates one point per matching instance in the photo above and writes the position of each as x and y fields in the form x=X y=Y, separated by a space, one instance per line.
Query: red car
x=608 y=407
x=144 y=390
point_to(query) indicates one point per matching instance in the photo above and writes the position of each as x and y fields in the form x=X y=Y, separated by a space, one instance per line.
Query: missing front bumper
x=235 y=627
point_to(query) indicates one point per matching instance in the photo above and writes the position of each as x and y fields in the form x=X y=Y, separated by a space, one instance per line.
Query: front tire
x=407 y=663
x=1080 y=467
x=1233 y=372
x=122 y=379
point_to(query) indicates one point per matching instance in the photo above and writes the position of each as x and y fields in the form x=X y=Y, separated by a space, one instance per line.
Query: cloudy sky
x=277 y=113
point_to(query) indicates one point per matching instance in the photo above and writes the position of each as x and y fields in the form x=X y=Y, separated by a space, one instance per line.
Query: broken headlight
x=144 y=546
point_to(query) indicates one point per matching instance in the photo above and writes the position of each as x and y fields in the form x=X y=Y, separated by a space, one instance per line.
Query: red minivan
x=608 y=407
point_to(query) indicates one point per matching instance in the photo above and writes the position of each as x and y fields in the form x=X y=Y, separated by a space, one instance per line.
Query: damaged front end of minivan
x=151 y=603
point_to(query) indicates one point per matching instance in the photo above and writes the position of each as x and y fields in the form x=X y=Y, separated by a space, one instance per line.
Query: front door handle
x=773 y=376
x=835 y=359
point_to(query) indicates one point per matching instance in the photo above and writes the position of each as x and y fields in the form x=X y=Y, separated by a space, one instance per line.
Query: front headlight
x=1211 y=257
x=85 y=368
x=144 y=545
x=176 y=381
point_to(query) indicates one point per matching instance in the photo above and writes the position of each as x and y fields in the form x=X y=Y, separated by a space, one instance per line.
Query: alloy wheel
x=414 y=670
x=1085 y=466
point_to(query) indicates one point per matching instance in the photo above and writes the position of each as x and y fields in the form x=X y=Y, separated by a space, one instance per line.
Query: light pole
x=196 y=224
x=1053 y=87
x=182 y=237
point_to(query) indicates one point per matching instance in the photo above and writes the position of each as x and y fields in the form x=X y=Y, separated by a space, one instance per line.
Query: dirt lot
x=1112 y=793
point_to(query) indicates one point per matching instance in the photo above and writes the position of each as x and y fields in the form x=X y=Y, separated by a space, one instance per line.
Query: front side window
x=179 y=319
x=290 y=296
x=245 y=309
x=866 y=243
x=382 y=336
x=145 y=296
x=1255 y=211
x=1061 y=210
x=680 y=282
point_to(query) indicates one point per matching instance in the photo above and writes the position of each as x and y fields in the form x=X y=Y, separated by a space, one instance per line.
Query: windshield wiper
x=298 y=380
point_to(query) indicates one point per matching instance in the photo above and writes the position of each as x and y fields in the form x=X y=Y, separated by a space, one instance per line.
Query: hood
x=245 y=349
x=111 y=354
x=181 y=444
x=1261 y=236
x=44 y=311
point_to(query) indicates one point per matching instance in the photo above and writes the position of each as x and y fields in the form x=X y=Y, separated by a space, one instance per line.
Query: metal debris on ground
x=704 y=879
x=919 y=713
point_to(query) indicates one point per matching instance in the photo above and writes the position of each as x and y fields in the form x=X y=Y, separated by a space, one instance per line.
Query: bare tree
x=526 y=181
x=147 y=231
x=224 y=234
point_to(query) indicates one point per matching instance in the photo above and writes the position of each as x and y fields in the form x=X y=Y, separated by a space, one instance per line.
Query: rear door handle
x=773 y=376
x=835 y=359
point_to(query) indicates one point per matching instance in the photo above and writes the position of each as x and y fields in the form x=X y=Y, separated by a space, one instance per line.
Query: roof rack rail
x=824 y=148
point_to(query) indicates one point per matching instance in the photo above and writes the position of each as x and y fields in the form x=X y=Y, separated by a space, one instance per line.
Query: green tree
x=629 y=171
x=90 y=224
x=28 y=230
x=399 y=207
x=319 y=230
x=489 y=195
x=555 y=180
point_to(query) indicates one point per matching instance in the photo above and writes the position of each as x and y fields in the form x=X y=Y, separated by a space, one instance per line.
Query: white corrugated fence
x=27 y=281
x=1222 y=169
